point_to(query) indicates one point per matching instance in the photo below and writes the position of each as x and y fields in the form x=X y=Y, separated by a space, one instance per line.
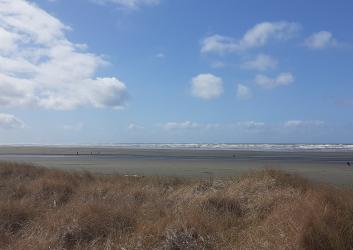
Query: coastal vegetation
x=44 y=208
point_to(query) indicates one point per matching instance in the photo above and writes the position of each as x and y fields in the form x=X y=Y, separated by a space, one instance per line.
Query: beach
x=320 y=166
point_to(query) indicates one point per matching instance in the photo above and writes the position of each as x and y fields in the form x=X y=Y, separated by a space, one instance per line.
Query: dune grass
x=51 y=209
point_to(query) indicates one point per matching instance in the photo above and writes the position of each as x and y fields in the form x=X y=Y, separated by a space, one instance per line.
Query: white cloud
x=257 y=36
x=250 y=126
x=206 y=86
x=320 y=40
x=262 y=62
x=133 y=126
x=9 y=121
x=303 y=124
x=8 y=41
x=219 y=44
x=128 y=4
x=189 y=125
x=180 y=125
x=39 y=66
x=243 y=92
x=268 y=82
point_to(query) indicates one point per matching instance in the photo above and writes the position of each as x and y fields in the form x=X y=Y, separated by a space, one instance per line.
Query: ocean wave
x=244 y=147
x=210 y=146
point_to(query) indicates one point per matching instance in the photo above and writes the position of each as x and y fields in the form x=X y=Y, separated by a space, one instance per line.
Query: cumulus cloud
x=257 y=36
x=320 y=40
x=128 y=4
x=39 y=66
x=262 y=62
x=219 y=44
x=303 y=124
x=243 y=92
x=8 y=121
x=282 y=79
x=206 y=86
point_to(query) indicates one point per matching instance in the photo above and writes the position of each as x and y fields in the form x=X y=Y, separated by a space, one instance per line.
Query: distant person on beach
x=348 y=164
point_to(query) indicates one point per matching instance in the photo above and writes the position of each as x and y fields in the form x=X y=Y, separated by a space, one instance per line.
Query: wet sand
x=327 y=167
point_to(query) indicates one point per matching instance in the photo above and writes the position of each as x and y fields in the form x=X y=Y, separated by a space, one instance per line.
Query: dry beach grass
x=51 y=209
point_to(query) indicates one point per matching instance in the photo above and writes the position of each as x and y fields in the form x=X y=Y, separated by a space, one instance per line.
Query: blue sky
x=117 y=71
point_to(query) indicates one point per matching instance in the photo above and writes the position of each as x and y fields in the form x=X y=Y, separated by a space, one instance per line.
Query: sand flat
x=327 y=167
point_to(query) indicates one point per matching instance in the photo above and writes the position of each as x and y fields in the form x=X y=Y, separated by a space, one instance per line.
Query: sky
x=186 y=71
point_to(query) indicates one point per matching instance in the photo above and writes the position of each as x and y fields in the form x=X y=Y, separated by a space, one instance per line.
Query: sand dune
x=51 y=209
